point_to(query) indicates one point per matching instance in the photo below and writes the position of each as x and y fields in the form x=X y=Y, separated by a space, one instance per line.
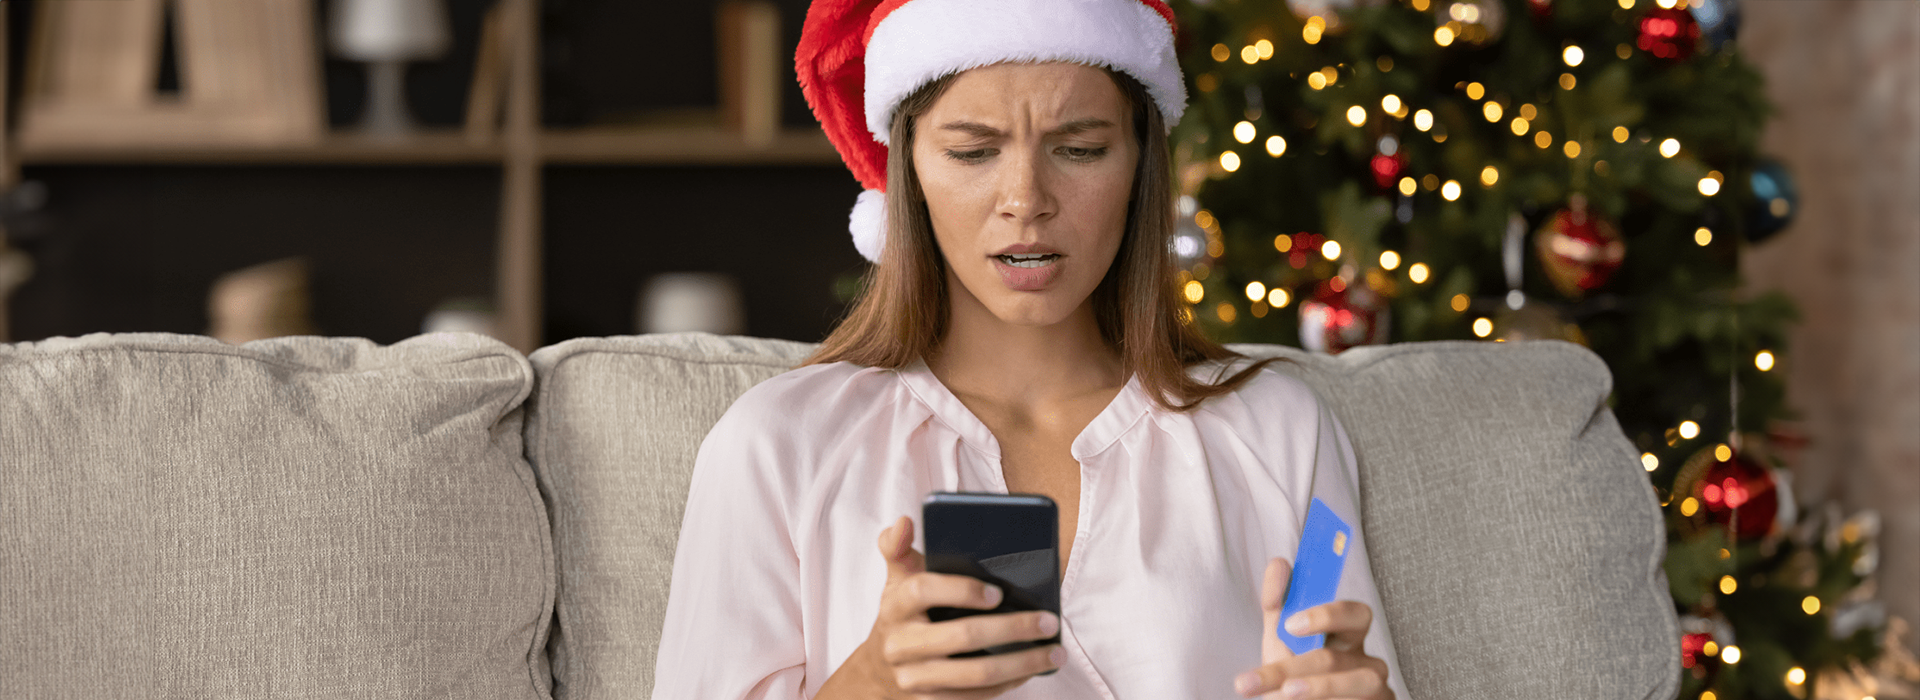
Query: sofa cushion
x=298 y=517
x=1515 y=540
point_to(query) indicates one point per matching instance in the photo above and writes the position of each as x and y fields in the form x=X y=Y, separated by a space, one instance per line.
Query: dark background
x=122 y=248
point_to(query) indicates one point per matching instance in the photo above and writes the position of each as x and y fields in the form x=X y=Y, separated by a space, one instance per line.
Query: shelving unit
x=522 y=149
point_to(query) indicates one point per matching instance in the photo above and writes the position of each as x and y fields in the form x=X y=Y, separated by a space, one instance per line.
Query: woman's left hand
x=1341 y=669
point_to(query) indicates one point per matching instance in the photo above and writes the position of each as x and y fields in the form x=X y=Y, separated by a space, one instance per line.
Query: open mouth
x=1028 y=260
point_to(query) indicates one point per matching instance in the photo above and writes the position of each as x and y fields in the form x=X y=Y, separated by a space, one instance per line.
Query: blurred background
x=549 y=169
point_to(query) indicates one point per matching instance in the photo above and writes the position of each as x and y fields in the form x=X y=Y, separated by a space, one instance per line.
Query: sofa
x=445 y=517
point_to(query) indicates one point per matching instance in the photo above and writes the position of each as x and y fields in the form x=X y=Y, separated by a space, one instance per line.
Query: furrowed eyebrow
x=1078 y=126
x=971 y=128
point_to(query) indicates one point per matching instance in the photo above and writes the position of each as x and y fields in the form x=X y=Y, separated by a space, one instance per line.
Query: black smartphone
x=1009 y=540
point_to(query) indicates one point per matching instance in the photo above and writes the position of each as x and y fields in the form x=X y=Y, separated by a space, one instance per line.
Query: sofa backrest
x=299 y=517
x=1515 y=539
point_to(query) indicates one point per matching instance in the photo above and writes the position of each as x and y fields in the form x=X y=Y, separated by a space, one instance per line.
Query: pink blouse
x=777 y=578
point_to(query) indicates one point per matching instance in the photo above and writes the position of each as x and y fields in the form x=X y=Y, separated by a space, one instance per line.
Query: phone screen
x=1010 y=541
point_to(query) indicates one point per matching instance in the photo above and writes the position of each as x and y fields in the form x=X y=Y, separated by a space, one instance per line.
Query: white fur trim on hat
x=924 y=40
x=869 y=224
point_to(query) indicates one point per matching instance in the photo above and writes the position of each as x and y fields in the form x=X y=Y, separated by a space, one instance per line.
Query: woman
x=1019 y=334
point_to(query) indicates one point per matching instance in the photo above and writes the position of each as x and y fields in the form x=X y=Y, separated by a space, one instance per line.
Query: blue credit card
x=1324 y=542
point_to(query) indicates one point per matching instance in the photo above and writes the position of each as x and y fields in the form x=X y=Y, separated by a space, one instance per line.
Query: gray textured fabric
x=612 y=429
x=292 y=518
x=1514 y=538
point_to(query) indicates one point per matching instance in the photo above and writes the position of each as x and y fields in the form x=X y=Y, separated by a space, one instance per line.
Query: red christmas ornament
x=1387 y=168
x=1305 y=246
x=1739 y=493
x=1669 y=34
x=1693 y=651
x=1579 y=250
x=1341 y=316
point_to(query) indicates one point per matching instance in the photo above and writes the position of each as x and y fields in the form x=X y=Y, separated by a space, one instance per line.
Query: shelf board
x=684 y=145
x=651 y=145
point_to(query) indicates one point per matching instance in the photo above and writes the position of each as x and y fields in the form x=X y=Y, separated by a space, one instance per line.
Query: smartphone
x=1009 y=540
x=1317 y=567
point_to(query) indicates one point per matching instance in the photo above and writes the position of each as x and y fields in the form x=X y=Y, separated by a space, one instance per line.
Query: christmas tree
x=1371 y=171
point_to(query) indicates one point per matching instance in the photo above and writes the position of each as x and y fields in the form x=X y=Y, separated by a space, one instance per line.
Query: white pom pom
x=869 y=224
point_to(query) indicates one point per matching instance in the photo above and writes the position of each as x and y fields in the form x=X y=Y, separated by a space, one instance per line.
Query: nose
x=1025 y=195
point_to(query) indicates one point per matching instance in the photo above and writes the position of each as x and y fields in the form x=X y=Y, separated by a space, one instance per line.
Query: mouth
x=1028 y=260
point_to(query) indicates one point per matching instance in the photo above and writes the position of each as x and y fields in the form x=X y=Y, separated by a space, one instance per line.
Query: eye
x=971 y=157
x=1081 y=154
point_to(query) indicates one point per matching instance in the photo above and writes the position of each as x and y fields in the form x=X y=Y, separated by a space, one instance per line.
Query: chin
x=1033 y=309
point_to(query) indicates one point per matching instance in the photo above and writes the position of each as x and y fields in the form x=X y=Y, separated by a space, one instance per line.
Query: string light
x=1459 y=302
x=1619 y=134
x=1542 y=139
x=1626 y=4
x=1764 y=361
x=1264 y=48
x=1423 y=120
x=1417 y=273
x=1728 y=586
x=1623 y=51
x=1709 y=186
x=1476 y=91
x=1193 y=291
x=1283 y=243
x=1665 y=4
x=1572 y=148
x=1419 y=5
x=1443 y=36
x=1230 y=161
x=1390 y=104
x=1331 y=74
x=1731 y=654
x=1702 y=236
x=1226 y=312
x=1256 y=291
x=1221 y=53
x=1722 y=452
x=1689 y=507
x=1249 y=55
x=1407 y=186
x=1529 y=112
x=1451 y=190
x=1724 y=554
x=1649 y=461
x=1316 y=80
x=1276 y=146
x=1704 y=694
x=1573 y=56
x=1356 y=115
x=1669 y=148
x=1390 y=260
x=1710 y=648
x=1278 y=298
x=1489 y=175
x=1385 y=63
x=1810 y=604
x=1520 y=126
x=1491 y=110
x=1482 y=327
x=1314 y=28
x=1330 y=250
x=1243 y=132
x=1689 y=429
x=1431 y=182
x=1567 y=81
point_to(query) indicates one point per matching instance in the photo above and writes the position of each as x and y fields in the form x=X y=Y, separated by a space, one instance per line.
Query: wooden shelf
x=654 y=145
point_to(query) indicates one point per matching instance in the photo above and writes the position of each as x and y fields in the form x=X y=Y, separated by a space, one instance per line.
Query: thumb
x=896 y=546
x=1273 y=594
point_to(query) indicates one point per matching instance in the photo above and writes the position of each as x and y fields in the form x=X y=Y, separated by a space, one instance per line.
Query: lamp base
x=385 y=117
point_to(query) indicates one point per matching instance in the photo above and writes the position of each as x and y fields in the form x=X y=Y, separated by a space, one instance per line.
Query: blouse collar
x=1127 y=408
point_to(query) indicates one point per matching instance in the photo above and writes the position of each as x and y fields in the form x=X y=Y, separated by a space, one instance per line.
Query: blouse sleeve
x=1336 y=481
x=733 y=622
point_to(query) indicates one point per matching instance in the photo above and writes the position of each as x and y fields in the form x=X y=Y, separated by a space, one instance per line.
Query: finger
x=1345 y=622
x=1271 y=678
x=938 y=640
x=1273 y=592
x=936 y=675
x=1352 y=683
x=909 y=598
x=896 y=546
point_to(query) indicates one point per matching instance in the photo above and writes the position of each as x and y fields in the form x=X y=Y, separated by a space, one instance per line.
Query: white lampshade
x=390 y=30
x=681 y=302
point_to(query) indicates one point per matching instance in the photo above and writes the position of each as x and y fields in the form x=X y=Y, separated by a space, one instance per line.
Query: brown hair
x=902 y=311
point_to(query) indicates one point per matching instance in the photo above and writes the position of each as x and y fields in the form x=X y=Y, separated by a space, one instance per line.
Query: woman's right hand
x=906 y=655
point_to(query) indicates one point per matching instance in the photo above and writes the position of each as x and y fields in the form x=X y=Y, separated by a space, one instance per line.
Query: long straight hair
x=902 y=312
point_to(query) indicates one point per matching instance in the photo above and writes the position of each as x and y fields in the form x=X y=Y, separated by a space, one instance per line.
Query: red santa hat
x=859 y=58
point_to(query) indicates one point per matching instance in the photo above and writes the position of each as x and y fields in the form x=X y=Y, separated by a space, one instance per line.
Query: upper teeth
x=1027 y=260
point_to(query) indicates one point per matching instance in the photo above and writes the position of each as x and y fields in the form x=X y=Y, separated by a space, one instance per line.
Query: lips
x=1027 y=267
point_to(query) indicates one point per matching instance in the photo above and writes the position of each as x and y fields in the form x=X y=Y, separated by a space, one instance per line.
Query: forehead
x=1053 y=91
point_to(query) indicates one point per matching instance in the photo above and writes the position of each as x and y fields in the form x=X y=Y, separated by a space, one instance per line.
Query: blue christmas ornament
x=1719 y=20
x=1775 y=200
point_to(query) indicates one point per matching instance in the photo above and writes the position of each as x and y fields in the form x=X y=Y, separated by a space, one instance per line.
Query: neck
x=983 y=356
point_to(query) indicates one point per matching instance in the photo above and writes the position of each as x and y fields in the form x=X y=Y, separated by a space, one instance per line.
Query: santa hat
x=859 y=58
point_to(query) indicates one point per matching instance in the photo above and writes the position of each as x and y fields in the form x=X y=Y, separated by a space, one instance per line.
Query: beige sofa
x=446 y=518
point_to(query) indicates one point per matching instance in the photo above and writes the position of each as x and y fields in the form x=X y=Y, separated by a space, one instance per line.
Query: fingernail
x=1049 y=624
x=1246 y=683
x=1058 y=656
x=1297 y=625
x=993 y=595
x=1293 y=689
